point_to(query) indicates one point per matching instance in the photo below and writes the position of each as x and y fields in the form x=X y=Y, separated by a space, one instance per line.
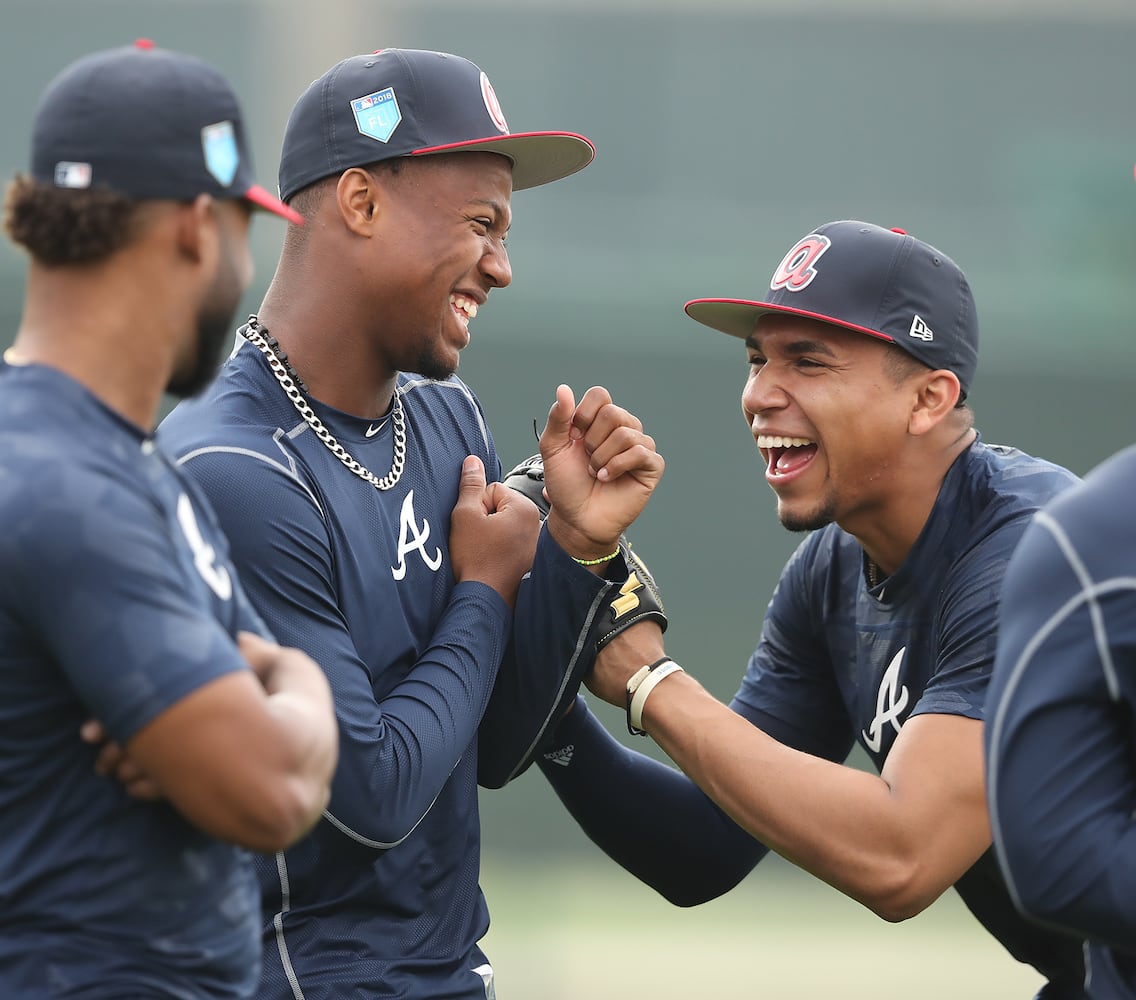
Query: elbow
x=1034 y=903
x=1035 y=862
x=275 y=821
x=1037 y=894
x=687 y=897
x=492 y=778
x=696 y=891
x=898 y=909
x=902 y=892
x=286 y=809
x=380 y=829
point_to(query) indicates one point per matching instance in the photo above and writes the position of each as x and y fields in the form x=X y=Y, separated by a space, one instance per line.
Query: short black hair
x=900 y=366
x=308 y=200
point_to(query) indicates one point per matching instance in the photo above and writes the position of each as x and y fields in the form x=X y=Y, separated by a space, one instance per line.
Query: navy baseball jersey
x=116 y=601
x=841 y=662
x=382 y=897
x=1060 y=738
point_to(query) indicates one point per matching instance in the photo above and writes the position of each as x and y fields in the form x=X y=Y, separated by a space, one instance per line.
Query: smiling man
x=881 y=630
x=357 y=479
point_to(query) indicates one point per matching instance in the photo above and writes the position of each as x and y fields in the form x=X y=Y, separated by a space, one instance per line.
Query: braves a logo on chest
x=891 y=700
x=204 y=555
x=411 y=537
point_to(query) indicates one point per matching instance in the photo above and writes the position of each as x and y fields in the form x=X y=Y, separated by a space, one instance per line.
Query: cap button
x=896 y=229
x=143 y=43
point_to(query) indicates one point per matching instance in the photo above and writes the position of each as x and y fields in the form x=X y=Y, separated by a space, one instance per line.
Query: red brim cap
x=270 y=203
x=737 y=317
x=538 y=157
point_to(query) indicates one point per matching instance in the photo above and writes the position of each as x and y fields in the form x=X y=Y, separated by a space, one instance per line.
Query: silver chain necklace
x=294 y=389
x=875 y=575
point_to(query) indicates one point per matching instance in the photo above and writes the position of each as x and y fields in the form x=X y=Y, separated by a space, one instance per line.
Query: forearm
x=1062 y=793
x=552 y=648
x=1082 y=880
x=397 y=754
x=300 y=704
x=224 y=756
x=878 y=842
x=647 y=817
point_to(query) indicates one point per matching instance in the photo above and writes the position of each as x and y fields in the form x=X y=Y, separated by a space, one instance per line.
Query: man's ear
x=937 y=393
x=358 y=196
x=195 y=229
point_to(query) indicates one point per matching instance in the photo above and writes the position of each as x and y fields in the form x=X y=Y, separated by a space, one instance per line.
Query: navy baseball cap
x=877 y=281
x=146 y=123
x=413 y=102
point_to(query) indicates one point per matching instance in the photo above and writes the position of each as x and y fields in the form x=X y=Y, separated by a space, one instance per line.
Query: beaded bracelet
x=595 y=562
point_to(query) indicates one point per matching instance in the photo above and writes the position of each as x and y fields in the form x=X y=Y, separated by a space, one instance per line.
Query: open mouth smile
x=464 y=307
x=785 y=456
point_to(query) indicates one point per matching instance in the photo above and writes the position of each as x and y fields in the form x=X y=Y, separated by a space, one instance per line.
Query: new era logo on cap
x=920 y=329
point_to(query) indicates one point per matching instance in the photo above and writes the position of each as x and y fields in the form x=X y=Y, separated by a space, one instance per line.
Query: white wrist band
x=642 y=683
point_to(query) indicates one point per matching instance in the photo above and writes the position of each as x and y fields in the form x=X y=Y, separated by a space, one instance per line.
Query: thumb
x=472 y=478
x=92 y=731
x=558 y=429
x=257 y=651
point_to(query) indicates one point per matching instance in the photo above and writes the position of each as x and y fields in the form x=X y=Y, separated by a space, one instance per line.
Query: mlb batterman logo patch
x=377 y=115
x=221 y=156
x=798 y=267
x=72 y=175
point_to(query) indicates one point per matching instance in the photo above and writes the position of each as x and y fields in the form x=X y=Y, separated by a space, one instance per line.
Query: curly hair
x=59 y=226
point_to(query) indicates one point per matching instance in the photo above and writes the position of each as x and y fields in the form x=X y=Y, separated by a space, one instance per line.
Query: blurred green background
x=1000 y=130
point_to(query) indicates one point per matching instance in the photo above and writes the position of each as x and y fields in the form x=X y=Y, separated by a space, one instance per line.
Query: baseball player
x=356 y=476
x=880 y=631
x=1061 y=740
x=119 y=609
x=1061 y=771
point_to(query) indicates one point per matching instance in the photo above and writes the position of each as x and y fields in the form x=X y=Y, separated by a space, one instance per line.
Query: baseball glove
x=638 y=598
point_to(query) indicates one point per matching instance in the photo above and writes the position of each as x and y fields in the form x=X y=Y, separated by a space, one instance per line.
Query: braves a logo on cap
x=798 y=267
x=221 y=157
x=492 y=105
x=377 y=115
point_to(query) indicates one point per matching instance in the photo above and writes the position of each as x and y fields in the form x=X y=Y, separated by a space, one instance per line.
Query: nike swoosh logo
x=374 y=429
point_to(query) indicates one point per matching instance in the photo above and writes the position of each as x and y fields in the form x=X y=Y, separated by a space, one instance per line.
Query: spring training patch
x=221 y=156
x=377 y=115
